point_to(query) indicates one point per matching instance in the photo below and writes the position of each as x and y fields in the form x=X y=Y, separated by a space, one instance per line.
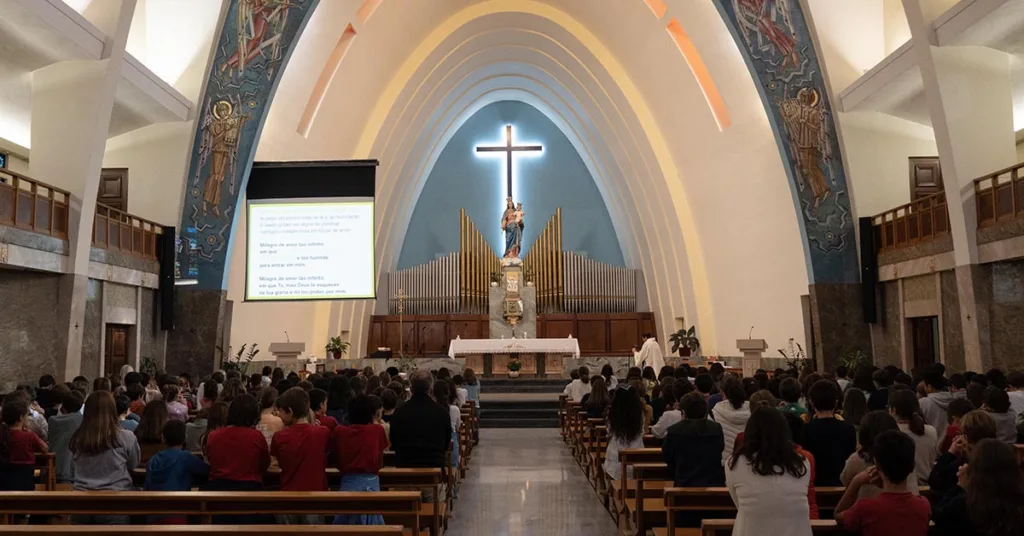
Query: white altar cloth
x=567 y=346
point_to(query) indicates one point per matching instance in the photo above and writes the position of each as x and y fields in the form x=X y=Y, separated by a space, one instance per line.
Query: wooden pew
x=401 y=507
x=201 y=530
x=563 y=402
x=1020 y=453
x=723 y=527
x=432 y=516
x=648 y=508
x=46 y=470
x=621 y=489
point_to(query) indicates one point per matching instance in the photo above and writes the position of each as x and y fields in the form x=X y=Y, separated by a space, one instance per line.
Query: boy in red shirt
x=896 y=510
x=18 y=448
x=301 y=450
x=359 y=449
x=958 y=407
x=318 y=405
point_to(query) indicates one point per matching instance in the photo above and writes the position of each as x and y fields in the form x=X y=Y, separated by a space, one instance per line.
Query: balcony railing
x=28 y=204
x=1000 y=196
x=911 y=224
x=119 y=231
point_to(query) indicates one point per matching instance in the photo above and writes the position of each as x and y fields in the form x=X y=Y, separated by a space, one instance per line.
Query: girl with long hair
x=855 y=406
x=216 y=418
x=596 y=402
x=339 y=395
x=151 y=428
x=989 y=497
x=904 y=408
x=103 y=454
x=732 y=413
x=625 y=427
x=609 y=377
x=18 y=447
x=768 y=479
x=232 y=389
x=270 y=423
x=176 y=407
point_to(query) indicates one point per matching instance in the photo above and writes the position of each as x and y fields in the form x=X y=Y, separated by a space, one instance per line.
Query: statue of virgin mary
x=512 y=225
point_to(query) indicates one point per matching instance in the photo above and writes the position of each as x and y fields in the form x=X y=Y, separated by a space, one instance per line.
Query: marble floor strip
x=524 y=482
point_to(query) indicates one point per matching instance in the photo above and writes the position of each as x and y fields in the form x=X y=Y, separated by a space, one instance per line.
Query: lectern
x=752 y=350
x=287 y=353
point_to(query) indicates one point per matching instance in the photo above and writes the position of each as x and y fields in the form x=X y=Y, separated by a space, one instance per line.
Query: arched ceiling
x=706 y=215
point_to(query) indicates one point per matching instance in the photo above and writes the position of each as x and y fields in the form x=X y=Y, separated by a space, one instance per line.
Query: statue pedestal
x=513 y=289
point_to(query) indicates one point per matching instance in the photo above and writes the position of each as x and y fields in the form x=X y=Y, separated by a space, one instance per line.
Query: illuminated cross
x=508 y=148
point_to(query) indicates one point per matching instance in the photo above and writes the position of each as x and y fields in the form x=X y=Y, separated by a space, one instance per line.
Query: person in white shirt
x=1015 y=390
x=768 y=502
x=579 y=387
x=461 y=393
x=841 y=378
x=732 y=413
x=650 y=354
x=672 y=415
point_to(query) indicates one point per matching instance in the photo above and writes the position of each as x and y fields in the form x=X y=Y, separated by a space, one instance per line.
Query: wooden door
x=114 y=188
x=116 y=354
x=925 y=347
x=925 y=176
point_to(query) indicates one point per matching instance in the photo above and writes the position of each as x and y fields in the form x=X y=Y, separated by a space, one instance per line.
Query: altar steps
x=520 y=402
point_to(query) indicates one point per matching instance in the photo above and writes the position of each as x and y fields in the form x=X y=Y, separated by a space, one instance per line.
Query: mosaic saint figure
x=808 y=132
x=220 y=142
x=768 y=20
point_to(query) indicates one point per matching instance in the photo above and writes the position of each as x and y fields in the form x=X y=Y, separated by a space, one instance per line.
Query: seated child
x=18 y=448
x=128 y=421
x=389 y=400
x=896 y=510
x=789 y=392
x=958 y=407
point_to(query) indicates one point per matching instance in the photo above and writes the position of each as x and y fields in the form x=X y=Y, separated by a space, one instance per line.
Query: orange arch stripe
x=700 y=72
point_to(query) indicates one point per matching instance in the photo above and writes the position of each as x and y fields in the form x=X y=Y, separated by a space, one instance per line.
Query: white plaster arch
x=415 y=134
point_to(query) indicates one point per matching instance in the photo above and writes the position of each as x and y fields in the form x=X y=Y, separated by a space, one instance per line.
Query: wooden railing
x=911 y=224
x=114 y=230
x=1000 y=195
x=28 y=204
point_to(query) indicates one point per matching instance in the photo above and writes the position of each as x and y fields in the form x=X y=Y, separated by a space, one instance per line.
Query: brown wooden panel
x=623 y=334
x=407 y=341
x=559 y=329
x=925 y=177
x=376 y=338
x=113 y=190
x=433 y=337
x=593 y=334
x=466 y=329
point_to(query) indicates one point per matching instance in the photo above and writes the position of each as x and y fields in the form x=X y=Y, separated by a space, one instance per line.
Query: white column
x=71 y=109
x=970 y=100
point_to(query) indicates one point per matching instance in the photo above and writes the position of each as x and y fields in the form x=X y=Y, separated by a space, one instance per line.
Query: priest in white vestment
x=650 y=354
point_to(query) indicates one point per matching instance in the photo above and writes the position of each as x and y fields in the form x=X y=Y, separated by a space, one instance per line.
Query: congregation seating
x=401 y=507
x=204 y=530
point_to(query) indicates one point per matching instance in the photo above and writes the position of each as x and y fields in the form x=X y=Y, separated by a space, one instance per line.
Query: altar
x=538 y=357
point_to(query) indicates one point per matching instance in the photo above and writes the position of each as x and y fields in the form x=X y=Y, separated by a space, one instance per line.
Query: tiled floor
x=523 y=482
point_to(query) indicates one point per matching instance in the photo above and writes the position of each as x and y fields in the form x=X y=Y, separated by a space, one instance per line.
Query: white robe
x=650 y=356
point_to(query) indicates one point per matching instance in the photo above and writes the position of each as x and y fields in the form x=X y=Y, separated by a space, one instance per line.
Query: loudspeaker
x=868 y=270
x=166 y=292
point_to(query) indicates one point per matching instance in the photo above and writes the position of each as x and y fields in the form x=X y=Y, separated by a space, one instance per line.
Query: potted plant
x=495 y=278
x=336 y=347
x=795 y=358
x=514 y=366
x=685 y=341
x=853 y=361
x=241 y=360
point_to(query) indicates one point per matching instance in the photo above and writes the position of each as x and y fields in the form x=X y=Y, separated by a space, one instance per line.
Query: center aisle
x=523 y=482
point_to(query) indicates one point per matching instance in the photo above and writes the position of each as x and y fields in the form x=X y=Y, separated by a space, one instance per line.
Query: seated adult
x=975 y=426
x=421 y=428
x=989 y=497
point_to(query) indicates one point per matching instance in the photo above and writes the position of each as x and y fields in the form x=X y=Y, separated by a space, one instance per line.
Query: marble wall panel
x=952 y=331
x=1006 y=315
x=93 y=333
x=28 y=333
